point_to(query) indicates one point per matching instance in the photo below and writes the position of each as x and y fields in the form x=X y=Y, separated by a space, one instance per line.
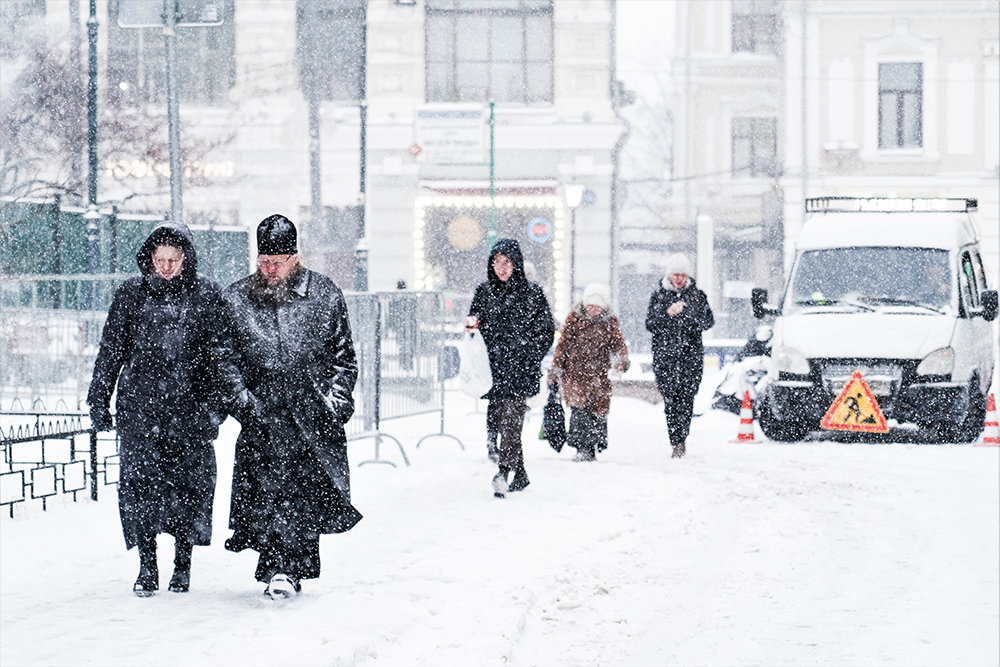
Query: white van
x=894 y=288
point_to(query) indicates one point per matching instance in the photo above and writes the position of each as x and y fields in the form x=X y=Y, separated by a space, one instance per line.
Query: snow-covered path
x=815 y=553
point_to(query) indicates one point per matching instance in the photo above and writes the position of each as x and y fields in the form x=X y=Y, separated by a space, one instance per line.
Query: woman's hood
x=510 y=249
x=180 y=235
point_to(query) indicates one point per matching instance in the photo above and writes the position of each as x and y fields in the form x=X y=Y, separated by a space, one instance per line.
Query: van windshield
x=872 y=278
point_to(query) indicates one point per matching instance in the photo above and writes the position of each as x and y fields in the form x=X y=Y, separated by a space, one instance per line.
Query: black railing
x=47 y=454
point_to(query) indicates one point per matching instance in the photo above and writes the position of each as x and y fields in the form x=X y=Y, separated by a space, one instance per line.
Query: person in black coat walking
x=162 y=346
x=293 y=377
x=678 y=314
x=516 y=322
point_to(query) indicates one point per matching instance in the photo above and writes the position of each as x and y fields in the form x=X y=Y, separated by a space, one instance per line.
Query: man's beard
x=275 y=293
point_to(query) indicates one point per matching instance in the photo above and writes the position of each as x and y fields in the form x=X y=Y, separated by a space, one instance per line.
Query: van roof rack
x=890 y=205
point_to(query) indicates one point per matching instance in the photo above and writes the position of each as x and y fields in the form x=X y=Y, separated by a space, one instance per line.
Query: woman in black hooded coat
x=516 y=322
x=161 y=345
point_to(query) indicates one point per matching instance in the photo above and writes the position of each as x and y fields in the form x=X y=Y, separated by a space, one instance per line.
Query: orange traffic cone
x=746 y=433
x=991 y=432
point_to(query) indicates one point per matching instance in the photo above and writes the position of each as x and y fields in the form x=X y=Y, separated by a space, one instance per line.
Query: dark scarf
x=163 y=288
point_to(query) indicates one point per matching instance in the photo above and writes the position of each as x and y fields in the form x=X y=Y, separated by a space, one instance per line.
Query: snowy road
x=817 y=553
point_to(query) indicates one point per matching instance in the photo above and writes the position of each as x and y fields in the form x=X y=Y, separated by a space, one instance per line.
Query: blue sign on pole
x=589 y=197
x=539 y=230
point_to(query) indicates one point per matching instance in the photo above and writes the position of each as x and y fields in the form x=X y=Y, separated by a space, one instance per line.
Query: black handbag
x=554 y=421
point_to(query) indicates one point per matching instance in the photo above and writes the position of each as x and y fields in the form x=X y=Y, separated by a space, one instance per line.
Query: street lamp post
x=574 y=194
x=170 y=11
x=92 y=105
x=93 y=220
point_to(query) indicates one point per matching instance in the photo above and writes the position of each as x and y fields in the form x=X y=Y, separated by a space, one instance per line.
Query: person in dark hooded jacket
x=516 y=323
x=295 y=371
x=678 y=314
x=162 y=347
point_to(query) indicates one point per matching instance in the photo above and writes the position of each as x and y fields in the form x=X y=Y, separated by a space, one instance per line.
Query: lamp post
x=170 y=12
x=92 y=105
x=573 y=193
x=93 y=220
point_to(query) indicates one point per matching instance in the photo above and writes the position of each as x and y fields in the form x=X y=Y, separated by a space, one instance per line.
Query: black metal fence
x=50 y=453
x=47 y=356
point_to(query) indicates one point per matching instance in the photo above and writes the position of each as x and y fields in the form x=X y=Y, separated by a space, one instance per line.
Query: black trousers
x=509 y=414
x=678 y=379
x=588 y=432
x=289 y=552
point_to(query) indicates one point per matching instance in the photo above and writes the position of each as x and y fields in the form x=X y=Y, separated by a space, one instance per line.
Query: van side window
x=977 y=262
x=967 y=280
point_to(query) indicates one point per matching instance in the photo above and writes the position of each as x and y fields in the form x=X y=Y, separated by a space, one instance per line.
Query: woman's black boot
x=180 y=582
x=149 y=576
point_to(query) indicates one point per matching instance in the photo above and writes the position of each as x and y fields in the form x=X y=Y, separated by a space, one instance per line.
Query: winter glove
x=620 y=363
x=100 y=419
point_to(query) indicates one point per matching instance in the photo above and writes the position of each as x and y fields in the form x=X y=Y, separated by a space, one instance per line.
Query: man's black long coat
x=162 y=345
x=295 y=359
x=516 y=324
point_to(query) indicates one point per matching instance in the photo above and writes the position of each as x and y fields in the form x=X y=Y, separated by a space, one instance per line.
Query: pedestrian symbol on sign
x=855 y=409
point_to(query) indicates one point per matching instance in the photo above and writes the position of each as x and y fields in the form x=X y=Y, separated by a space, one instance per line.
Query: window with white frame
x=206 y=61
x=755 y=26
x=478 y=50
x=755 y=147
x=900 y=105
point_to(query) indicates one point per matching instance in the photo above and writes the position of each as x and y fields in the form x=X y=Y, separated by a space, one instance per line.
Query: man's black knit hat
x=276 y=235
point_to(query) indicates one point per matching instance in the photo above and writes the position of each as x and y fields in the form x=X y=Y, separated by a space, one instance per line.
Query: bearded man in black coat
x=292 y=382
x=161 y=345
x=678 y=314
x=516 y=323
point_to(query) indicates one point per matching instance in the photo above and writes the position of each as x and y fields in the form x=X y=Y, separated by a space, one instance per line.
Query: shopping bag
x=554 y=421
x=474 y=375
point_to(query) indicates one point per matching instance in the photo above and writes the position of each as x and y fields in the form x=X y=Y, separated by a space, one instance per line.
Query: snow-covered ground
x=738 y=554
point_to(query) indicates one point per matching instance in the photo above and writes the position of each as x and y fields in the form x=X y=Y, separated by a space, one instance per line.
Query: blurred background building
x=368 y=122
x=412 y=80
x=875 y=98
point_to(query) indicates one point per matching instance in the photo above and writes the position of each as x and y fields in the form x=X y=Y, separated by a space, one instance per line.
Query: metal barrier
x=47 y=356
x=399 y=340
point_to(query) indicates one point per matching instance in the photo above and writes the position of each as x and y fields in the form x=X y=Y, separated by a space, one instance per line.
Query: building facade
x=412 y=80
x=887 y=98
x=894 y=98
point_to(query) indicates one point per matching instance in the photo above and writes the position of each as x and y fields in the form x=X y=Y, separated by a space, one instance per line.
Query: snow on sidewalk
x=816 y=553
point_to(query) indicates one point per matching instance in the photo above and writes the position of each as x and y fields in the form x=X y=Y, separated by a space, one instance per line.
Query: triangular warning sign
x=855 y=409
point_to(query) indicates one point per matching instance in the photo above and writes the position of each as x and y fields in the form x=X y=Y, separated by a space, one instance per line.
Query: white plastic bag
x=474 y=375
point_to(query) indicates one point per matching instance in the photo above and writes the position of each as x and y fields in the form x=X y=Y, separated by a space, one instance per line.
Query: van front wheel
x=975 y=418
x=781 y=431
x=968 y=429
